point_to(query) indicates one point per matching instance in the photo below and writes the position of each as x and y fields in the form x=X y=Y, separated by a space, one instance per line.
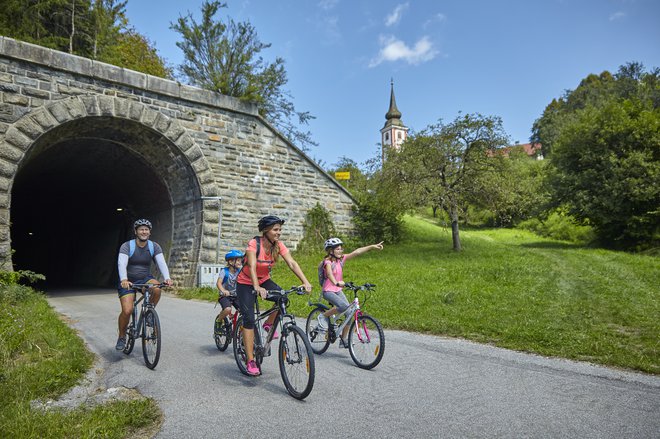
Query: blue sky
x=502 y=58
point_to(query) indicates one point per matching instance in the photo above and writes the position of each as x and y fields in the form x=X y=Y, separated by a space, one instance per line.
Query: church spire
x=393 y=115
x=394 y=133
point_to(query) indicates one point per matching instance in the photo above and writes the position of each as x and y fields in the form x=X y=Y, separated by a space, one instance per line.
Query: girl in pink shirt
x=333 y=264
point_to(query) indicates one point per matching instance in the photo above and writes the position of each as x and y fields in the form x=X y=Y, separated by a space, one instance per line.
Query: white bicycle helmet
x=332 y=243
x=142 y=222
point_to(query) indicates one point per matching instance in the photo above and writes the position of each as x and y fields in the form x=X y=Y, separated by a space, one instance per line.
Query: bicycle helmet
x=332 y=243
x=233 y=254
x=142 y=222
x=268 y=221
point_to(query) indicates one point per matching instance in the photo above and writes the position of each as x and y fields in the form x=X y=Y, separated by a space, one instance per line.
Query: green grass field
x=40 y=359
x=510 y=288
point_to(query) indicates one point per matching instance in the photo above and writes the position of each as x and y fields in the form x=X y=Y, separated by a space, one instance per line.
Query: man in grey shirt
x=134 y=264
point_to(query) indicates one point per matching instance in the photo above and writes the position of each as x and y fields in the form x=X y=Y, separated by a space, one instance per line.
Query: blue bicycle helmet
x=233 y=254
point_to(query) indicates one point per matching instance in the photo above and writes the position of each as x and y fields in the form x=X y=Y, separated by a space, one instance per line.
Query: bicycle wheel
x=130 y=340
x=366 y=342
x=318 y=340
x=296 y=360
x=222 y=333
x=239 y=348
x=151 y=338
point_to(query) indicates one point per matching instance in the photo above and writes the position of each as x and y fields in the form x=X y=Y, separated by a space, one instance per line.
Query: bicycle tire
x=319 y=341
x=239 y=348
x=151 y=338
x=366 y=342
x=222 y=333
x=296 y=360
x=130 y=340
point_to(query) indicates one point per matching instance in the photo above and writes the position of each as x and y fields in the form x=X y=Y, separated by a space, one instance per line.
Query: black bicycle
x=295 y=354
x=146 y=325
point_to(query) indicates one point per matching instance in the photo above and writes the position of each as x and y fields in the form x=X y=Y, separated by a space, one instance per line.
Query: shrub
x=318 y=227
x=560 y=225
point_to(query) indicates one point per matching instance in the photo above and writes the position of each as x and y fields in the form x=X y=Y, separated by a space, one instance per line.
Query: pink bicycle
x=366 y=339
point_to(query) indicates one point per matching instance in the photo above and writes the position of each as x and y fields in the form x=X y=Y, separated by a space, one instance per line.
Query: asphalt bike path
x=425 y=386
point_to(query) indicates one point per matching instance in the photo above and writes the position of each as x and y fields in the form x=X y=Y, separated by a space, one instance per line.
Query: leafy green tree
x=513 y=190
x=96 y=29
x=631 y=81
x=225 y=56
x=607 y=163
x=359 y=181
x=441 y=164
x=134 y=51
x=602 y=141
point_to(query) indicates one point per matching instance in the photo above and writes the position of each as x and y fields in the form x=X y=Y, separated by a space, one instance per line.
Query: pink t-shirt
x=264 y=263
x=337 y=268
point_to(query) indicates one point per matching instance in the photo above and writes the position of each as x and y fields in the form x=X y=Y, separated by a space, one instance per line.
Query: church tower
x=393 y=134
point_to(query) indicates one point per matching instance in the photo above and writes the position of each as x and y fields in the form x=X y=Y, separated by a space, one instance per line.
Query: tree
x=440 y=165
x=134 y=51
x=97 y=29
x=607 y=163
x=631 y=81
x=602 y=141
x=226 y=57
x=514 y=190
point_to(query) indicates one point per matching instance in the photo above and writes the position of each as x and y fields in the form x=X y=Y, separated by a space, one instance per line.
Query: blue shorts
x=122 y=292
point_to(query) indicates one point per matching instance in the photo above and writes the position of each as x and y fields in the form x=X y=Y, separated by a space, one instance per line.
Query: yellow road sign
x=343 y=175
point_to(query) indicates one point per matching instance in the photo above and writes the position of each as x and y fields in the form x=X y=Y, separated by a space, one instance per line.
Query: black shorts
x=228 y=301
x=246 y=298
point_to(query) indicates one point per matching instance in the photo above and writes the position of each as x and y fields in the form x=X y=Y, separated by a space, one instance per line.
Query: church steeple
x=393 y=114
x=394 y=132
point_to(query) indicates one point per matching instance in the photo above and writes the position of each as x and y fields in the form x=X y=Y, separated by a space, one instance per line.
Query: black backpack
x=245 y=259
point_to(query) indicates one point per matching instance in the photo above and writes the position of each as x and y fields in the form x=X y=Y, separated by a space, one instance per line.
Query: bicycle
x=223 y=330
x=145 y=326
x=296 y=358
x=366 y=338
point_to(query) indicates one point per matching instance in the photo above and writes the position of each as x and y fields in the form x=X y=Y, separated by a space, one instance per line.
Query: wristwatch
x=337 y=284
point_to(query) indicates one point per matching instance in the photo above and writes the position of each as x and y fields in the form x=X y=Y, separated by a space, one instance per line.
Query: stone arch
x=98 y=131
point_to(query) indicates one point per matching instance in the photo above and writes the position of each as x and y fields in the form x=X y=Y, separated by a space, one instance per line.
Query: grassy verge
x=41 y=358
x=512 y=289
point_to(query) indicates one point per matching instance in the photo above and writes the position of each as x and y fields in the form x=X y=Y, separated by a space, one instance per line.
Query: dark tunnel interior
x=73 y=203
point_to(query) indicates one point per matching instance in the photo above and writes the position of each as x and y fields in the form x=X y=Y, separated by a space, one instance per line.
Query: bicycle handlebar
x=300 y=290
x=352 y=286
x=137 y=286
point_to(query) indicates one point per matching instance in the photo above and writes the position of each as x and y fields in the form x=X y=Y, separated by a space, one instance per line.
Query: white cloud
x=395 y=50
x=437 y=18
x=328 y=4
x=395 y=16
x=617 y=15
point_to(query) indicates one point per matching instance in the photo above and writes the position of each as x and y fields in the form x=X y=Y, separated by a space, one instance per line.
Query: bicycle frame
x=353 y=308
x=280 y=307
x=138 y=330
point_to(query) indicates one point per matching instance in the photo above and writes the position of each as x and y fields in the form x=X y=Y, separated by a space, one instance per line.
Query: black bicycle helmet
x=142 y=222
x=268 y=221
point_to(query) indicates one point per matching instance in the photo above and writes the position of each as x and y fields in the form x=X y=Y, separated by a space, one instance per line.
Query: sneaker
x=217 y=327
x=252 y=368
x=267 y=327
x=342 y=343
x=323 y=323
x=121 y=344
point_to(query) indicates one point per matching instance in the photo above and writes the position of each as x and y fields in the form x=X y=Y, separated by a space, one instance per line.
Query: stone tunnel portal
x=78 y=191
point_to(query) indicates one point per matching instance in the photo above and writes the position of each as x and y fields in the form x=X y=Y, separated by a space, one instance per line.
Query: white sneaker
x=323 y=323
